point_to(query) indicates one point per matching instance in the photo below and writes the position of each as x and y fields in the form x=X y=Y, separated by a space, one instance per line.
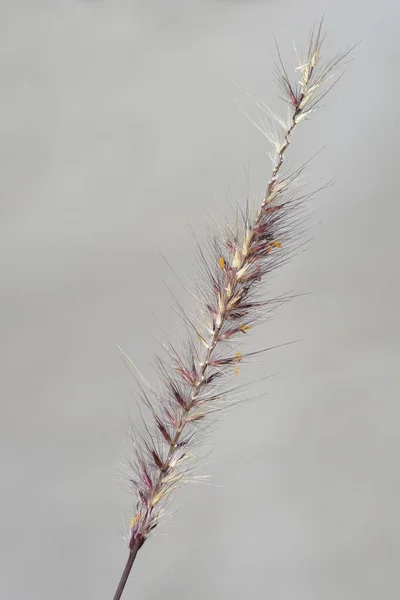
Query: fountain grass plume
x=230 y=297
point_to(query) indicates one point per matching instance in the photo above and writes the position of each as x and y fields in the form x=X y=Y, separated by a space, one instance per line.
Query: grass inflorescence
x=229 y=293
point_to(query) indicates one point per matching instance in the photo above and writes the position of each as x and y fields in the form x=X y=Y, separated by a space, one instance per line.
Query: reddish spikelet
x=229 y=285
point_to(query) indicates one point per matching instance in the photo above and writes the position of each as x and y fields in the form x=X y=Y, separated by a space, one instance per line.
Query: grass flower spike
x=229 y=293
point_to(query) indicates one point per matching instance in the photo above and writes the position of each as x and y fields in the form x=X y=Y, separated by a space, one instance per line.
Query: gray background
x=118 y=129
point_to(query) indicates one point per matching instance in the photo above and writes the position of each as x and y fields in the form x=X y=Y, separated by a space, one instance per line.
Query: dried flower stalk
x=229 y=298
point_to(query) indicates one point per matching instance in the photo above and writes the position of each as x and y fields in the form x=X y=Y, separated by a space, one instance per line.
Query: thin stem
x=126 y=572
x=281 y=153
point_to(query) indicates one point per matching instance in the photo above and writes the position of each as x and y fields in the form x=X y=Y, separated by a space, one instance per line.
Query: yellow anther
x=237 y=359
x=222 y=263
x=245 y=328
x=274 y=244
x=135 y=519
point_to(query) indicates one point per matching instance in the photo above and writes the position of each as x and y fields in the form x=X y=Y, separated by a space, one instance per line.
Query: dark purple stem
x=126 y=572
